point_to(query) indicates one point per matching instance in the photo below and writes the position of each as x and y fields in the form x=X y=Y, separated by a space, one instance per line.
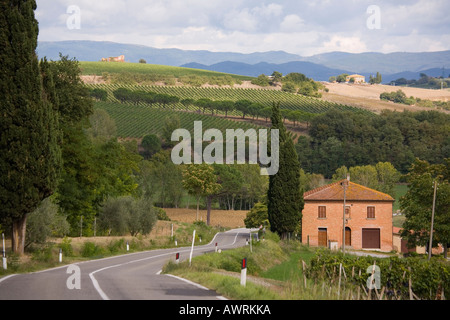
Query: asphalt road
x=133 y=276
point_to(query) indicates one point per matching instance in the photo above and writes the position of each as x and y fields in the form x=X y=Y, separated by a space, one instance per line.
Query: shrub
x=66 y=247
x=90 y=249
x=44 y=254
x=161 y=214
x=257 y=217
x=116 y=246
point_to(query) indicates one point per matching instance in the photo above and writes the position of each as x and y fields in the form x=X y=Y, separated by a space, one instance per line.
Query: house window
x=370 y=212
x=322 y=212
x=347 y=212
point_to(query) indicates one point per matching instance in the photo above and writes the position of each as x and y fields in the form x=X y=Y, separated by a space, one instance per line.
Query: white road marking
x=7 y=277
x=104 y=296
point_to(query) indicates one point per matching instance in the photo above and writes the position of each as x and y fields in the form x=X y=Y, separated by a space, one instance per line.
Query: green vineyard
x=264 y=97
x=137 y=121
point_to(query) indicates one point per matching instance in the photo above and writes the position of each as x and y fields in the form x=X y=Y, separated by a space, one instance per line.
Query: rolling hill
x=318 y=67
x=311 y=70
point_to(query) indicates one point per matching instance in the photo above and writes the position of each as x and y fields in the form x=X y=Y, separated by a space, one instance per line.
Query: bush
x=257 y=217
x=44 y=222
x=289 y=87
x=44 y=254
x=66 y=247
x=116 y=246
x=90 y=249
x=127 y=215
x=161 y=214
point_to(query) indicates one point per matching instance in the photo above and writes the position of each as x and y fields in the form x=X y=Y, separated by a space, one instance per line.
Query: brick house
x=368 y=217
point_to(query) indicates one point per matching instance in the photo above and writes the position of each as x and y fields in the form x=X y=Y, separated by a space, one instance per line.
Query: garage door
x=371 y=238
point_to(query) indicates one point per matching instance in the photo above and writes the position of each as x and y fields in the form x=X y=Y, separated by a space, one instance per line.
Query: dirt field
x=374 y=91
x=223 y=218
x=368 y=96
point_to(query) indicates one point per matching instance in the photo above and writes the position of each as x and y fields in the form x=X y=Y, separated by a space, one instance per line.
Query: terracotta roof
x=354 y=192
x=396 y=230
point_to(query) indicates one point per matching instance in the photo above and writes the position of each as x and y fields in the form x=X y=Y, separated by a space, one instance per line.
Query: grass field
x=222 y=218
x=98 y=68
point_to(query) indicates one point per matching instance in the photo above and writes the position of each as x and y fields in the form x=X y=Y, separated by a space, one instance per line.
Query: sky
x=295 y=26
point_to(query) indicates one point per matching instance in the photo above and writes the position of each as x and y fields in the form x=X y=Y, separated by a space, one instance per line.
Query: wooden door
x=371 y=238
x=323 y=238
x=348 y=236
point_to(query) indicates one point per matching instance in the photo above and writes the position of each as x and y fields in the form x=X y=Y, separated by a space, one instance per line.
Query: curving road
x=133 y=276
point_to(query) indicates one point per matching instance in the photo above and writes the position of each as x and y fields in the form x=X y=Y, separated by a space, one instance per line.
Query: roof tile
x=354 y=191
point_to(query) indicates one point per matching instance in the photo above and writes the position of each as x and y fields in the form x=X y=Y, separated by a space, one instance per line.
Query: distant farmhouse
x=357 y=77
x=114 y=59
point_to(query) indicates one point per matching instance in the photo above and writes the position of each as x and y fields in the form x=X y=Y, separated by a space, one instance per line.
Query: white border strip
x=7 y=277
x=104 y=296
x=195 y=285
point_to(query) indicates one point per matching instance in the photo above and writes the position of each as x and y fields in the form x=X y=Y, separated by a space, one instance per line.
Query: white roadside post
x=216 y=247
x=192 y=248
x=244 y=272
x=4 y=253
x=177 y=258
x=60 y=255
x=128 y=246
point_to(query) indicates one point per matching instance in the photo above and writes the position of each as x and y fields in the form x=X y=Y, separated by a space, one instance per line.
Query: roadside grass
x=274 y=272
x=46 y=255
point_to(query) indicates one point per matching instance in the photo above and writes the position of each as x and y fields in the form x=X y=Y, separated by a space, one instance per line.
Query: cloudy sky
x=295 y=26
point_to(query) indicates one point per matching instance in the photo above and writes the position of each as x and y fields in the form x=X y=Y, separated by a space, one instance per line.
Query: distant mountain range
x=319 y=67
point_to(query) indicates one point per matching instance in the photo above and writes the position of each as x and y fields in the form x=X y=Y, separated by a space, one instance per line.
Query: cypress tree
x=285 y=197
x=29 y=151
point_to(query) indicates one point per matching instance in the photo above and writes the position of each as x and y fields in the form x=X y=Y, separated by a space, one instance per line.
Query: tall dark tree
x=285 y=197
x=29 y=152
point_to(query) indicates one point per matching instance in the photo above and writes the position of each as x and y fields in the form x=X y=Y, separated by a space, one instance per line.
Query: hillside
x=311 y=70
x=363 y=63
x=368 y=96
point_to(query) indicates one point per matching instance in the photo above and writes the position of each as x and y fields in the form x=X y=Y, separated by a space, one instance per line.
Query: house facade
x=120 y=58
x=357 y=77
x=368 y=217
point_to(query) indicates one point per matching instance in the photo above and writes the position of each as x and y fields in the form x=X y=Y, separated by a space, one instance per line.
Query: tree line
x=400 y=97
x=293 y=82
x=339 y=138
x=246 y=107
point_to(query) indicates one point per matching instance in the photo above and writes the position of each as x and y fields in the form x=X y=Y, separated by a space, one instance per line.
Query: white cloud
x=346 y=44
x=292 y=23
x=297 y=26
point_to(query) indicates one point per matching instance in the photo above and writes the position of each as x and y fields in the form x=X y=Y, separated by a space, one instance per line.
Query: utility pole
x=345 y=183
x=430 y=245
